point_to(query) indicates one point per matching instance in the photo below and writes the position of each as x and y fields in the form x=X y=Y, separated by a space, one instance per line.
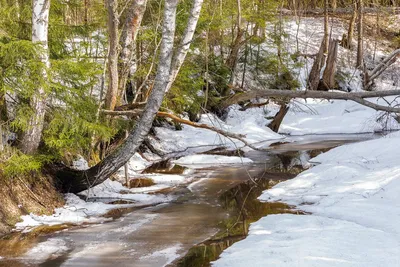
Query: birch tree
x=76 y=181
x=185 y=42
x=40 y=24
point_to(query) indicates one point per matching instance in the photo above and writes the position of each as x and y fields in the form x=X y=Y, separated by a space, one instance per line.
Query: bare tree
x=314 y=77
x=130 y=30
x=360 y=8
x=113 y=39
x=350 y=32
x=40 y=24
x=328 y=77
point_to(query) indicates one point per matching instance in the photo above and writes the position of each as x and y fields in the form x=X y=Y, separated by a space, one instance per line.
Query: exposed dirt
x=24 y=195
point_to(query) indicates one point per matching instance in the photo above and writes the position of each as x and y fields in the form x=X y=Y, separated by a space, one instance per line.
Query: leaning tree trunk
x=112 y=24
x=278 y=118
x=76 y=181
x=328 y=77
x=130 y=30
x=40 y=24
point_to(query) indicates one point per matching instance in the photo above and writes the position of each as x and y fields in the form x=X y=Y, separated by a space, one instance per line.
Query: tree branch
x=358 y=97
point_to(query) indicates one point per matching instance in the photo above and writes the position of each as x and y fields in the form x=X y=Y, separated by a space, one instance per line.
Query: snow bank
x=201 y=160
x=353 y=195
x=251 y=123
x=115 y=190
x=313 y=116
x=78 y=211
x=311 y=241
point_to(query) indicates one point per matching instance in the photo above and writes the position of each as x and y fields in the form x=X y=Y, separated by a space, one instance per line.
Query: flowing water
x=207 y=216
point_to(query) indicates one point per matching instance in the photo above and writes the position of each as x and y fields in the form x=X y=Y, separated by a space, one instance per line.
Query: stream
x=208 y=215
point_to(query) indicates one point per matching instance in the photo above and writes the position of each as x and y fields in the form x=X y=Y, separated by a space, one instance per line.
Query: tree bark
x=378 y=70
x=350 y=32
x=130 y=30
x=360 y=8
x=314 y=76
x=40 y=25
x=315 y=73
x=280 y=115
x=180 y=54
x=358 y=97
x=113 y=39
x=76 y=181
x=231 y=61
x=328 y=77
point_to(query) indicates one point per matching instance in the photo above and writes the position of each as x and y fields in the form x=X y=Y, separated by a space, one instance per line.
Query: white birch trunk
x=184 y=44
x=73 y=181
x=40 y=25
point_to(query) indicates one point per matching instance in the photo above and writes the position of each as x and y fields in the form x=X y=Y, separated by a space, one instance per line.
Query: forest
x=199 y=132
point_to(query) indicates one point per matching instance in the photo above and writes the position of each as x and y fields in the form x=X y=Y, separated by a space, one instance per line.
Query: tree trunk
x=112 y=24
x=328 y=78
x=40 y=24
x=359 y=63
x=180 y=54
x=369 y=77
x=231 y=61
x=359 y=97
x=326 y=27
x=280 y=115
x=314 y=77
x=76 y=181
x=127 y=41
x=350 y=32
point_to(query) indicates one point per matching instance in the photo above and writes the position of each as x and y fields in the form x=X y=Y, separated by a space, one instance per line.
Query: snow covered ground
x=252 y=123
x=314 y=116
x=353 y=195
x=202 y=161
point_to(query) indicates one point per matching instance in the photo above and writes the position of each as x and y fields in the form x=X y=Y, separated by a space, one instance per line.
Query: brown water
x=208 y=216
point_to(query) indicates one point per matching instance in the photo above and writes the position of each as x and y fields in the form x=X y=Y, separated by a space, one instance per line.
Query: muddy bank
x=23 y=195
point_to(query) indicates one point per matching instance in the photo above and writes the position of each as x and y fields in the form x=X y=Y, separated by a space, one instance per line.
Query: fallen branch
x=358 y=97
x=239 y=137
x=137 y=112
x=382 y=66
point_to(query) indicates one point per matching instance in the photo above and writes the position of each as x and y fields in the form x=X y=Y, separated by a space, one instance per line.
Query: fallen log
x=358 y=97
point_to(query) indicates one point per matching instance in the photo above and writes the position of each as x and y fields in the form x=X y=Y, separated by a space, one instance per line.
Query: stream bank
x=159 y=235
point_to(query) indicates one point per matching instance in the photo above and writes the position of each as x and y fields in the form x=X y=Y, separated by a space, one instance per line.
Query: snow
x=252 y=123
x=115 y=190
x=80 y=164
x=313 y=116
x=311 y=241
x=78 y=211
x=201 y=160
x=51 y=248
x=353 y=197
x=136 y=164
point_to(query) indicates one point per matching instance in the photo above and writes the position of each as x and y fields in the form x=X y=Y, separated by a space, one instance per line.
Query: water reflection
x=243 y=208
